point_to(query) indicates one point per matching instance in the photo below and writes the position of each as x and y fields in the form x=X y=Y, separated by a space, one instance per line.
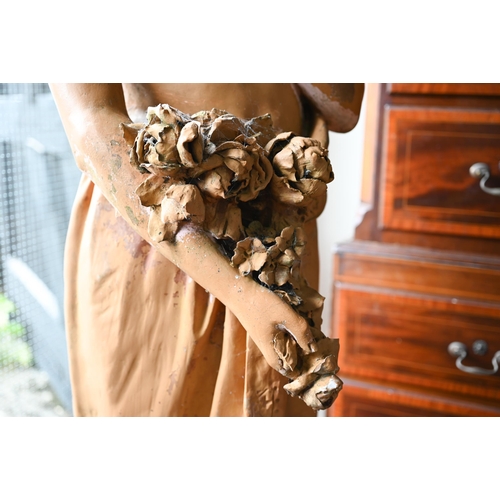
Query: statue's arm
x=91 y=115
x=338 y=103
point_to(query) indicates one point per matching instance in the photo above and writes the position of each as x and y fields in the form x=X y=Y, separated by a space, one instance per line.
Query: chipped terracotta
x=218 y=340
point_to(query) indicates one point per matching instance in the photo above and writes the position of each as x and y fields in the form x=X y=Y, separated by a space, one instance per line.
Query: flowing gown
x=145 y=340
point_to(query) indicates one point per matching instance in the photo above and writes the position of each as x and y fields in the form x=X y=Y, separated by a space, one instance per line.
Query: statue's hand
x=312 y=375
x=300 y=353
x=264 y=314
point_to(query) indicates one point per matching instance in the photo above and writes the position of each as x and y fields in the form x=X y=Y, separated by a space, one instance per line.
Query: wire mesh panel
x=38 y=181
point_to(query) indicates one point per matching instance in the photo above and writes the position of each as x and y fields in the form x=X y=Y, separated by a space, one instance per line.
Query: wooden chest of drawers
x=423 y=272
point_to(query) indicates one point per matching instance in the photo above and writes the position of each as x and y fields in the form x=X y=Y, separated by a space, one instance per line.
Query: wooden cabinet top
x=465 y=89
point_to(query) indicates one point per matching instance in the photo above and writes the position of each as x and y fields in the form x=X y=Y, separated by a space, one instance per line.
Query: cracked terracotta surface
x=215 y=312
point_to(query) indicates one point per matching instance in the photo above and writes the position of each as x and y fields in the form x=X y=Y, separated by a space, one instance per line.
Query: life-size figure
x=168 y=328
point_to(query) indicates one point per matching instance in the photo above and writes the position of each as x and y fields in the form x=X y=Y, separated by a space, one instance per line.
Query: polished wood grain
x=459 y=275
x=424 y=268
x=465 y=89
x=426 y=183
x=397 y=308
x=371 y=226
x=404 y=338
x=360 y=399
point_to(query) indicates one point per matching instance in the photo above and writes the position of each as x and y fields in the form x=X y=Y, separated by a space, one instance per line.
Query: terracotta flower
x=225 y=127
x=155 y=145
x=250 y=255
x=177 y=203
x=297 y=158
x=302 y=169
x=284 y=260
x=313 y=376
x=237 y=169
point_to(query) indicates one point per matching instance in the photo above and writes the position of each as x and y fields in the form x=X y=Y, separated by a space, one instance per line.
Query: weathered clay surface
x=251 y=189
x=164 y=325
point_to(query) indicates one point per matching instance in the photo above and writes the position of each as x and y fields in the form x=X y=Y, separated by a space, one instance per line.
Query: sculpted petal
x=152 y=190
x=225 y=128
x=183 y=202
x=286 y=349
x=130 y=131
x=158 y=229
x=190 y=145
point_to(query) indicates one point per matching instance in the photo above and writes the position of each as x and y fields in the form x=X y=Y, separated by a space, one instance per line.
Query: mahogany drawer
x=362 y=399
x=403 y=337
x=400 y=267
x=426 y=184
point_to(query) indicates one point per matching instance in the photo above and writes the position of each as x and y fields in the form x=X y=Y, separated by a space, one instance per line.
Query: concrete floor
x=27 y=393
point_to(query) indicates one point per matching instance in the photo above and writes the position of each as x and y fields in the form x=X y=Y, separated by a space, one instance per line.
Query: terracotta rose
x=302 y=169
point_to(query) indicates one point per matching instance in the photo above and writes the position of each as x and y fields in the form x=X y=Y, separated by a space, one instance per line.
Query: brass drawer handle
x=483 y=170
x=459 y=350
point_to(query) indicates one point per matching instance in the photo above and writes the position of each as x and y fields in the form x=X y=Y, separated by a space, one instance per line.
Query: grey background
x=38 y=181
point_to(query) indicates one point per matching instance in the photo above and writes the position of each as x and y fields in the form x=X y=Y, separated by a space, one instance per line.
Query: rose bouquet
x=252 y=189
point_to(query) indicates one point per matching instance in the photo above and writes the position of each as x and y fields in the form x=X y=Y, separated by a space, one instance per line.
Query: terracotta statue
x=191 y=260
